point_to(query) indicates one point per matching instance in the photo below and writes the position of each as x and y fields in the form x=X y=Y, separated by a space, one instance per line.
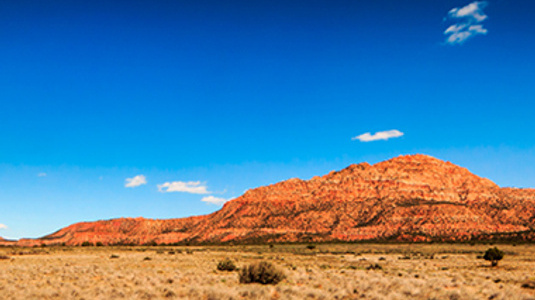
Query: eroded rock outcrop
x=407 y=198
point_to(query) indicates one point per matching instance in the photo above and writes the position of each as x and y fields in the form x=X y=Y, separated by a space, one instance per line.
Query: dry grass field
x=337 y=271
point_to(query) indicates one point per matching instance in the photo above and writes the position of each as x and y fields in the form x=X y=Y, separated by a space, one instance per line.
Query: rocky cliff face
x=408 y=198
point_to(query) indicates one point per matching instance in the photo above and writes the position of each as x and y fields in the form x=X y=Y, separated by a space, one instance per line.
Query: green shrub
x=493 y=255
x=87 y=244
x=262 y=272
x=226 y=265
x=99 y=244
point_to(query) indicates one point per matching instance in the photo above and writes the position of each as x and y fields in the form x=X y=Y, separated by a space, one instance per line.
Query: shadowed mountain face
x=408 y=198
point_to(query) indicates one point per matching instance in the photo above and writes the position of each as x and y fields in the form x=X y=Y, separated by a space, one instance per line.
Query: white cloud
x=455 y=28
x=477 y=29
x=467 y=26
x=460 y=33
x=193 y=187
x=381 y=135
x=214 y=200
x=135 y=181
x=2 y=226
x=42 y=174
x=473 y=10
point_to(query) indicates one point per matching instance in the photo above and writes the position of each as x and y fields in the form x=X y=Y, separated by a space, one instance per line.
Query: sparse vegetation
x=86 y=244
x=530 y=284
x=262 y=272
x=81 y=272
x=311 y=247
x=374 y=267
x=151 y=244
x=493 y=255
x=226 y=265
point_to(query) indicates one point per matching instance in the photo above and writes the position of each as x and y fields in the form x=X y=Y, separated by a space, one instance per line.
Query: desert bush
x=530 y=284
x=99 y=244
x=311 y=247
x=86 y=244
x=493 y=255
x=374 y=267
x=4 y=257
x=226 y=265
x=262 y=272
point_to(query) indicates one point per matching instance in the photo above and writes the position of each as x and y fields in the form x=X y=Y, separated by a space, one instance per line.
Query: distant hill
x=407 y=198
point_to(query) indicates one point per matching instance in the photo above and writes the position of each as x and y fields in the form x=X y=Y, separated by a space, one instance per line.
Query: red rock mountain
x=407 y=198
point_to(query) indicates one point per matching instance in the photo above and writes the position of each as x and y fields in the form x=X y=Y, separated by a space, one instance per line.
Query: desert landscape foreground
x=313 y=271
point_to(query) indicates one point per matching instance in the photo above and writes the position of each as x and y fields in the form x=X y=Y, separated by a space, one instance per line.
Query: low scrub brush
x=226 y=265
x=262 y=272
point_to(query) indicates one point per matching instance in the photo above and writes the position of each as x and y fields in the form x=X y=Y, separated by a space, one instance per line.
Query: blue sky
x=210 y=98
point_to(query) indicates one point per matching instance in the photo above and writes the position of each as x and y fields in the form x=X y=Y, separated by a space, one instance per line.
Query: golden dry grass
x=339 y=271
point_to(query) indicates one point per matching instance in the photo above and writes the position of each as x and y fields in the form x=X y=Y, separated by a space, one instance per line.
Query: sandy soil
x=340 y=271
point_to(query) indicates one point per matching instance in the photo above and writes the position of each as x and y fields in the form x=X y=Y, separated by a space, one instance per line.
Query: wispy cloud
x=468 y=19
x=42 y=174
x=193 y=187
x=2 y=226
x=214 y=200
x=135 y=181
x=473 y=10
x=381 y=135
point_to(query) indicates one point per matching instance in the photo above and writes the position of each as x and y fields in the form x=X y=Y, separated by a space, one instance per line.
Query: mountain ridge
x=406 y=198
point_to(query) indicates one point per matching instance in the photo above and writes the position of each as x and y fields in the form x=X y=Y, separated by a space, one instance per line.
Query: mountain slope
x=408 y=198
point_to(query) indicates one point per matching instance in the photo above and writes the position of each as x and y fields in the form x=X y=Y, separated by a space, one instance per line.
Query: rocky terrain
x=407 y=198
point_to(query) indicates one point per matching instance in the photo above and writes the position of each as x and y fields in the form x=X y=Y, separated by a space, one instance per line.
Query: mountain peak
x=417 y=159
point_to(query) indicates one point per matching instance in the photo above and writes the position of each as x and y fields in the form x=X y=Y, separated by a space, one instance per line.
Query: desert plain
x=313 y=271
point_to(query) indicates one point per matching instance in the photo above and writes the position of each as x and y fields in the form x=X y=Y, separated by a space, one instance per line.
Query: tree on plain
x=493 y=255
